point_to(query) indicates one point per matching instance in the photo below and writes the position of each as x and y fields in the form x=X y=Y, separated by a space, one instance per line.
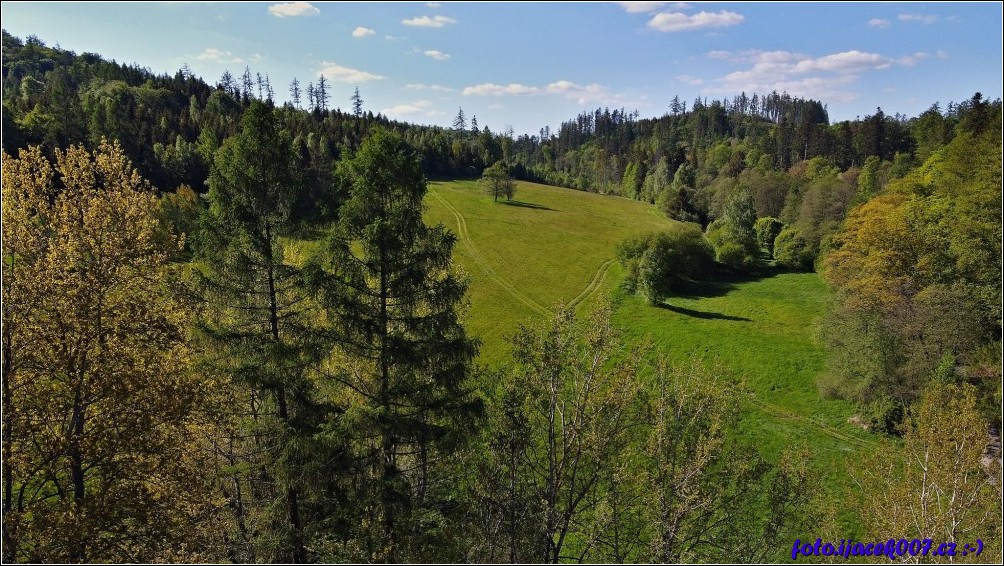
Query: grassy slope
x=553 y=246
x=559 y=247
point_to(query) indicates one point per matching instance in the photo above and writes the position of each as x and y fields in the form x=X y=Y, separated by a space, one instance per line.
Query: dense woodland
x=180 y=384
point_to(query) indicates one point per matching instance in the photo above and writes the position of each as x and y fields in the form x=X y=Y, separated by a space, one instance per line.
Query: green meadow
x=548 y=247
x=556 y=246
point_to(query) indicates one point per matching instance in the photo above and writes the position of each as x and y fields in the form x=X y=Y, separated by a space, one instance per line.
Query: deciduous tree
x=98 y=405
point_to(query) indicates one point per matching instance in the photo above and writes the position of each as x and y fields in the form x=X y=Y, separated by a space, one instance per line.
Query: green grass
x=762 y=332
x=551 y=246
x=556 y=246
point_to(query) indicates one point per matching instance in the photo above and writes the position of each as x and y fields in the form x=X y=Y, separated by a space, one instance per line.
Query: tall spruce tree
x=403 y=356
x=357 y=104
x=255 y=323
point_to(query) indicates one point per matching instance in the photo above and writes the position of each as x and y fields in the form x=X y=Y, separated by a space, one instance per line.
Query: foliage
x=919 y=267
x=791 y=251
x=655 y=261
x=587 y=462
x=256 y=334
x=402 y=359
x=767 y=229
x=733 y=234
x=496 y=182
x=98 y=402
x=941 y=486
x=563 y=429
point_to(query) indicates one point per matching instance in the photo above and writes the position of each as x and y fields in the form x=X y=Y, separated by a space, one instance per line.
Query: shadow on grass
x=522 y=204
x=703 y=314
x=721 y=281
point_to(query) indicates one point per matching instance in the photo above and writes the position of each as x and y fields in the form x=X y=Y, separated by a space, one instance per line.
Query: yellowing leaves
x=98 y=402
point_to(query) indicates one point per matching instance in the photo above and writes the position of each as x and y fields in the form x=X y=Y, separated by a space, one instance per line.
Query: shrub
x=791 y=250
x=767 y=229
x=655 y=261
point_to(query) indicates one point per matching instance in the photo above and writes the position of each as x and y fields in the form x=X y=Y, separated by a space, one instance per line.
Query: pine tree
x=257 y=333
x=321 y=94
x=387 y=284
x=294 y=92
x=247 y=83
x=460 y=122
x=357 y=104
x=228 y=83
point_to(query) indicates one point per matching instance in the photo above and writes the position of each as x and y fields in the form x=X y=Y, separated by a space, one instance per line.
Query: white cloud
x=592 y=93
x=221 y=56
x=911 y=60
x=433 y=4
x=918 y=18
x=290 y=9
x=436 y=54
x=420 y=86
x=419 y=108
x=677 y=21
x=213 y=54
x=827 y=77
x=941 y=54
x=362 y=32
x=878 y=23
x=844 y=62
x=427 y=22
x=581 y=93
x=337 y=73
x=491 y=89
x=690 y=80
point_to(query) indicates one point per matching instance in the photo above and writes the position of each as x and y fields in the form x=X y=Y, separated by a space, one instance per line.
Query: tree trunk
x=78 y=548
x=9 y=535
x=292 y=503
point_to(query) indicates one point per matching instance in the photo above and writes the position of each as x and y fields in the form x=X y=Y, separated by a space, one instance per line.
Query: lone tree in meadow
x=496 y=182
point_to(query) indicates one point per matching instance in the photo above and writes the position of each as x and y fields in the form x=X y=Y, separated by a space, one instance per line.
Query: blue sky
x=534 y=64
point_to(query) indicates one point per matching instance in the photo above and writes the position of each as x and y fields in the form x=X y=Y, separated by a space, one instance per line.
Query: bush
x=733 y=247
x=733 y=255
x=767 y=229
x=653 y=262
x=791 y=250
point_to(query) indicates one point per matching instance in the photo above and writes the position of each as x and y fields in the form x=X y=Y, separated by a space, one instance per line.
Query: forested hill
x=280 y=370
x=170 y=125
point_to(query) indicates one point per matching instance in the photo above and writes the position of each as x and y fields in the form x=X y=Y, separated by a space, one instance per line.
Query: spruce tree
x=357 y=104
x=255 y=323
x=403 y=357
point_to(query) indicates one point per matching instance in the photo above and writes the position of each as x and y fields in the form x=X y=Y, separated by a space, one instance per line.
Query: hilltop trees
x=357 y=104
x=97 y=400
x=401 y=360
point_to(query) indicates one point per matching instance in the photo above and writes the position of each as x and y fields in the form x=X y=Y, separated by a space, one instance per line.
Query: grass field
x=557 y=246
x=548 y=247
